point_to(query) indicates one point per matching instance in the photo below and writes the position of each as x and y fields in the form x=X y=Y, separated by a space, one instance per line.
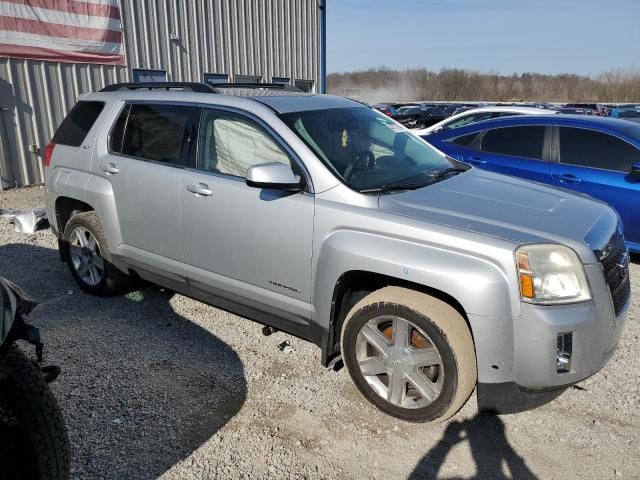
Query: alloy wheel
x=399 y=362
x=85 y=256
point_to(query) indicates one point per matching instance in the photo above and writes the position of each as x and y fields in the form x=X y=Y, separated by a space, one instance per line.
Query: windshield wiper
x=447 y=171
x=393 y=187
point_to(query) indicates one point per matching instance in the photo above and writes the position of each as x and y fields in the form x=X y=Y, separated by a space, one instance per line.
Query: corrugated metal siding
x=266 y=38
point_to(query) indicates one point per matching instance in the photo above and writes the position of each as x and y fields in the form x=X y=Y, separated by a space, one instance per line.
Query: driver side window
x=229 y=144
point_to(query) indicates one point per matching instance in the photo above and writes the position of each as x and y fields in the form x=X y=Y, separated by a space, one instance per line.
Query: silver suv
x=319 y=216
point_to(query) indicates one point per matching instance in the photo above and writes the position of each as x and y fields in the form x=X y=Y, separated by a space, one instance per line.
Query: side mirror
x=274 y=176
x=635 y=170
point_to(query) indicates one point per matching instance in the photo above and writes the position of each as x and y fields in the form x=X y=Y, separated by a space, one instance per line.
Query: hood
x=510 y=209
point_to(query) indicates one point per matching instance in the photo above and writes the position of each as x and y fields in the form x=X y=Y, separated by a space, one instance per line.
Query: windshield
x=366 y=149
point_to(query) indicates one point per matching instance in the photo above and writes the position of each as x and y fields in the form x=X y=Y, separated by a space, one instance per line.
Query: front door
x=519 y=151
x=245 y=247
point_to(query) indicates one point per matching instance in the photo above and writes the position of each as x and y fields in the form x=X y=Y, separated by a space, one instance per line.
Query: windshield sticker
x=345 y=138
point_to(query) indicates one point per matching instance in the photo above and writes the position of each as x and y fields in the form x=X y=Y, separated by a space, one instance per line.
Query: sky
x=506 y=36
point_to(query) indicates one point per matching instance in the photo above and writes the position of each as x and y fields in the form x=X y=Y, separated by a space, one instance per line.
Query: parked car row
x=587 y=154
x=425 y=115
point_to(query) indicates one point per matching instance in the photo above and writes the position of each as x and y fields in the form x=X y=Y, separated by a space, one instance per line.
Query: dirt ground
x=155 y=384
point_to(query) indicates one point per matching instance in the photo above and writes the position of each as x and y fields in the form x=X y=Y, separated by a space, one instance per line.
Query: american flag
x=87 y=31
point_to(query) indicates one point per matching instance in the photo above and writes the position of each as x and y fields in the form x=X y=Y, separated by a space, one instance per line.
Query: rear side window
x=155 y=132
x=588 y=148
x=515 y=141
x=465 y=140
x=117 y=132
x=76 y=125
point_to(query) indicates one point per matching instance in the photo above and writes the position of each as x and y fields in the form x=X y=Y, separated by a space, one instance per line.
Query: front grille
x=615 y=263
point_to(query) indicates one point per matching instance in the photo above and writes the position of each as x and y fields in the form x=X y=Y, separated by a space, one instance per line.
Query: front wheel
x=33 y=438
x=409 y=354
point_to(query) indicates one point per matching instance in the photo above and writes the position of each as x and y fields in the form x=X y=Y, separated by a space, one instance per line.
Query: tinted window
x=146 y=75
x=117 y=132
x=516 y=141
x=468 y=119
x=213 y=78
x=157 y=132
x=505 y=114
x=465 y=140
x=588 y=148
x=304 y=85
x=230 y=144
x=75 y=127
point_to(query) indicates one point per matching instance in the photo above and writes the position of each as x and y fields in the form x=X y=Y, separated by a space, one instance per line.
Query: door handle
x=567 y=178
x=110 y=168
x=476 y=160
x=201 y=190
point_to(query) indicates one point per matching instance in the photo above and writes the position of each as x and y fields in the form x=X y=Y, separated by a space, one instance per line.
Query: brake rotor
x=417 y=340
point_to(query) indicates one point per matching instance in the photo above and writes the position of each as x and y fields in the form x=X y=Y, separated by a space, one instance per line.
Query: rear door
x=148 y=150
x=598 y=164
x=246 y=247
x=521 y=151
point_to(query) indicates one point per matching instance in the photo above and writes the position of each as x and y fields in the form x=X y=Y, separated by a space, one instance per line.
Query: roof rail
x=266 y=86
x=193 y=86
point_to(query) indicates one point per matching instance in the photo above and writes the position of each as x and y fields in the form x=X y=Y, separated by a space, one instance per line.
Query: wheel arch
x=353 y=285
x=66 y=207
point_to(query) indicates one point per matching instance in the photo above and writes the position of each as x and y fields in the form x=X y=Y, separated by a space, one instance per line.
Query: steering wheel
x=365 y=155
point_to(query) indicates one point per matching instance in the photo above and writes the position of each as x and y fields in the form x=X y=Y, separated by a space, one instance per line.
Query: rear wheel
x=88 y=256
x=409 y=354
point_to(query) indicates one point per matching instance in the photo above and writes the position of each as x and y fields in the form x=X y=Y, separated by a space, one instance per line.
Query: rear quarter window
x=76 y=125
x=465 y=140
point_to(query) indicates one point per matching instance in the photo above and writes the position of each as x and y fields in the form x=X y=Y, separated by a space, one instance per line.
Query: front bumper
x=517 y=357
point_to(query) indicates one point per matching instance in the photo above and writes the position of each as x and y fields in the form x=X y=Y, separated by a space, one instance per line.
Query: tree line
x=384 y=84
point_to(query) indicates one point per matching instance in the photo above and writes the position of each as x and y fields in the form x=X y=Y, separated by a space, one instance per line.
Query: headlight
x=551 y=274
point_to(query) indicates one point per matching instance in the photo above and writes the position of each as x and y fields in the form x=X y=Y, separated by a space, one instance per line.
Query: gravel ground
x=155 y=384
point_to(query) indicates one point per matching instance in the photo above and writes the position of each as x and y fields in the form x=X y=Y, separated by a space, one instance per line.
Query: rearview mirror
x=635 y=170
x=274 y=176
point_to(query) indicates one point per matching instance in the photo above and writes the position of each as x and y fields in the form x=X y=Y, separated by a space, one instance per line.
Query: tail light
x=48 y=153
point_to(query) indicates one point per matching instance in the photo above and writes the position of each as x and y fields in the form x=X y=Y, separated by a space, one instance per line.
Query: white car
x=478 y=114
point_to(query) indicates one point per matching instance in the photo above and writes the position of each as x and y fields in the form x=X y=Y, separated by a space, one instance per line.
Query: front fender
x=481 y=284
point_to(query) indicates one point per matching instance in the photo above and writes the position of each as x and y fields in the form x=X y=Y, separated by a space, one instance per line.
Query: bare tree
x=384 y=84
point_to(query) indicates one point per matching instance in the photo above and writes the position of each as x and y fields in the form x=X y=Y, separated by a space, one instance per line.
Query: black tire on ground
x=445 y=327
x=37 y=448
x=113 y=281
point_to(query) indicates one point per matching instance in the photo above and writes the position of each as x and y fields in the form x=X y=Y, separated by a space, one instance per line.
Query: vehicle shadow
x=489 y=446
x=141 y=386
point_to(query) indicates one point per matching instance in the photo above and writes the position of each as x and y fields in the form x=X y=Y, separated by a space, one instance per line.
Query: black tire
x=449 y=333
x=113 y=281
x=36 y=446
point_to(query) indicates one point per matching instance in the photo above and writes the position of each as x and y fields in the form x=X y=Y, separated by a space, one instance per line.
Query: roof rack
x=196 y=86
x=193 y=86
x=265 y=86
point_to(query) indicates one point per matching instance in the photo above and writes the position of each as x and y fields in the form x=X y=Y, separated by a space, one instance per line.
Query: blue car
x=593 y=155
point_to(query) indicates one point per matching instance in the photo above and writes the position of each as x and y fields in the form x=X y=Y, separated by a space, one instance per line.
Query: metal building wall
x=187 y=38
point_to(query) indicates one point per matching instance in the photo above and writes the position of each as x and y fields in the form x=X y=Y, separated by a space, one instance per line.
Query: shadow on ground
x=141 y=386
x=489 y=446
